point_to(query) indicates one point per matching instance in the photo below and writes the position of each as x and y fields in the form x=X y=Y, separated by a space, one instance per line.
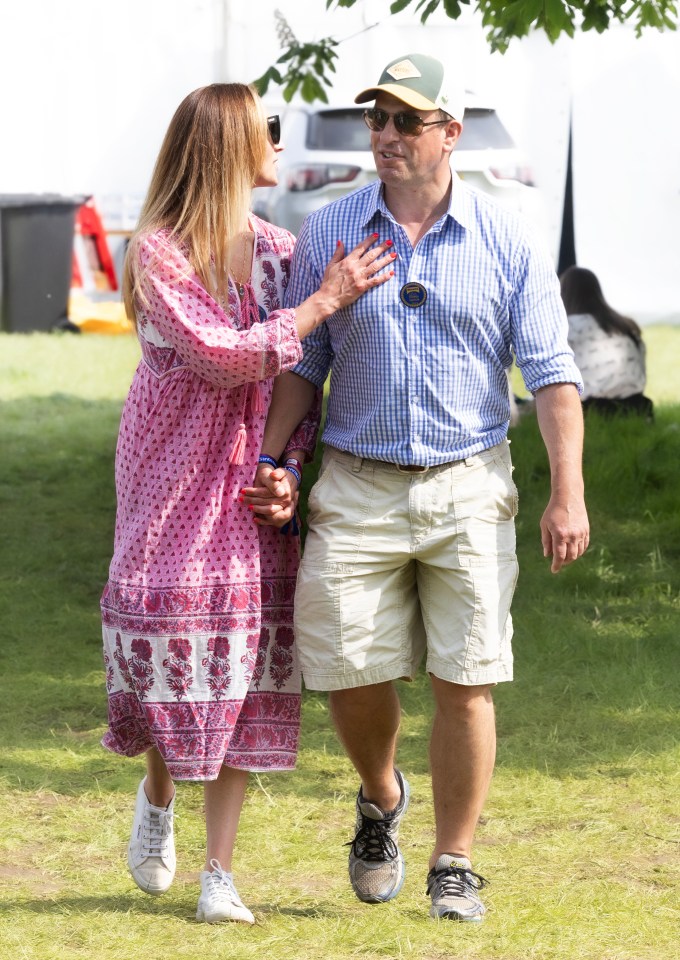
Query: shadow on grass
x=597 y=648
x=178 y=908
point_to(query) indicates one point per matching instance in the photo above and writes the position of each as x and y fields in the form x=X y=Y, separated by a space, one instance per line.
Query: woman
x=197 y=620
x=608 y=347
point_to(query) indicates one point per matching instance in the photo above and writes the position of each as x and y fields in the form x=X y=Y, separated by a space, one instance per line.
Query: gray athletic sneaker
x=376 y=866
x=453 y=888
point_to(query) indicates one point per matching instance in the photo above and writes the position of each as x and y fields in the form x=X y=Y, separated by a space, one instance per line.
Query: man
x=411 y=544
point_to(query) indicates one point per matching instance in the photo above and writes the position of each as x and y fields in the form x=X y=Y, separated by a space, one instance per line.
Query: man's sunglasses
x=406 y=124
x=274 y=127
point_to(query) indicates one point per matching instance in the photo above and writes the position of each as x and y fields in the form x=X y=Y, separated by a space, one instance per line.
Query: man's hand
x=273 y=497
x=564 y=532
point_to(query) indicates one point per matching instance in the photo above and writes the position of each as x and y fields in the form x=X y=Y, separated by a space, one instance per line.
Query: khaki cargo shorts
x=397 y=565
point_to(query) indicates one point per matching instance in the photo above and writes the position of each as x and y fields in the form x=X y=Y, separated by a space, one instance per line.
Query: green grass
x=581 y=833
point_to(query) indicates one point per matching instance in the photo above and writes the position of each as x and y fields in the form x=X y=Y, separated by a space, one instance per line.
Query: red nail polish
x=375 y=235
x=394 y=255
x=388 y=243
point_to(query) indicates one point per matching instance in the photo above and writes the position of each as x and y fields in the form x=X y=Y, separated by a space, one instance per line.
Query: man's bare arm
x=292 y=398
x=564 y=525
x=273 y=496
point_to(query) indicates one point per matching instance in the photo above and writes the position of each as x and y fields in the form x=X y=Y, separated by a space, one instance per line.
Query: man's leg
x=358 y=621
x=367 y=721
x=462 y=756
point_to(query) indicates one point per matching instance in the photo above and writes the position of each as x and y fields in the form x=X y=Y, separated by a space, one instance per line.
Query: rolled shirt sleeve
x=539 y=326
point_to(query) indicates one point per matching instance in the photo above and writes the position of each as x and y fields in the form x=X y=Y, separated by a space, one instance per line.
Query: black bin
x=36 y=259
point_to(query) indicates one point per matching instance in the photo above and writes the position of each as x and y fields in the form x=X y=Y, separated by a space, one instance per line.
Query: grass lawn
x=581 y=834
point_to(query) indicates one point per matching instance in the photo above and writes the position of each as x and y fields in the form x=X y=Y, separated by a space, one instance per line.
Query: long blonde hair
x=200 y=189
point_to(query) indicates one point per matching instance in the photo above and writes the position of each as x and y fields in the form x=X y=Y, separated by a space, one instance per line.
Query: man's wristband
x=263 y=458
x=296 y=473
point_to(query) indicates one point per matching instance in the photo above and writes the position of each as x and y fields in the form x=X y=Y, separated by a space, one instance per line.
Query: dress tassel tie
x=238 y=451
x=256 y=398
x=249 y=316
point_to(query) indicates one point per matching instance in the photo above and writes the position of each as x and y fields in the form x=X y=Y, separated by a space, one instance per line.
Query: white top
x=611 y=364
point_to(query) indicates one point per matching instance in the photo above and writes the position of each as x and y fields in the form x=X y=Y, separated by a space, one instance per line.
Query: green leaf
x=531 y=10
x=291 y=88
x=310 y=88
x=271 y=75
x=288 y=55
x=429 y=10
x=452 y=8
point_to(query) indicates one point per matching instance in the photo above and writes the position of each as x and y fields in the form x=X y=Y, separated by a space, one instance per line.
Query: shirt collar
x=373 y=204
x=461 y=208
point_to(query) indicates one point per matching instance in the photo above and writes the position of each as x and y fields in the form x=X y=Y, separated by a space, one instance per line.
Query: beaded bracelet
x=296 y=473
x=263 y=458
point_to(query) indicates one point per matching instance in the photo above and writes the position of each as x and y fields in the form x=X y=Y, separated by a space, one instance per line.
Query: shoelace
x=219 y=881
x=373 y=841
x=455 y=881
x=156 y=833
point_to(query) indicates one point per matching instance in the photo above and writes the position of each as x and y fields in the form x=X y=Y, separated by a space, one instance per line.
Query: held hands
x=348 y=277
x=565 y=532
x=273 y=497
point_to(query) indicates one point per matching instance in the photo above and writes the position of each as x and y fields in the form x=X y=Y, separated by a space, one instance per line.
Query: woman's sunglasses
x=274 y=127
x=406 y=124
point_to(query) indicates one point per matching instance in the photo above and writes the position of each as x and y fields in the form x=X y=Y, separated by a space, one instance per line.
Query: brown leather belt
x=355 y=461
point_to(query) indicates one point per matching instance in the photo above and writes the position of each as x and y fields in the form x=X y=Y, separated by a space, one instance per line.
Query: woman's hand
x=347 y=277
x=273 y=498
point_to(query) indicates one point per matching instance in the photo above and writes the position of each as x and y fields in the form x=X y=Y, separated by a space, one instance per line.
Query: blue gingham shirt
x=427 y=385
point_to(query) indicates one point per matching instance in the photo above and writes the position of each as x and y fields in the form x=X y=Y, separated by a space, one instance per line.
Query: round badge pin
x=413 y=294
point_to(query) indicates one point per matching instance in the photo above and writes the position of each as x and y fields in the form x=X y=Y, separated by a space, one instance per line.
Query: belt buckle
x=408 y=468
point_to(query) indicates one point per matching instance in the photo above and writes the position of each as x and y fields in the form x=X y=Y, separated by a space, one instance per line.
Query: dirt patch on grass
x=20 y=877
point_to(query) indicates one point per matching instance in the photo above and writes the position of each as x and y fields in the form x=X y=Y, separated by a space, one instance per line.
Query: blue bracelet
x=263 y=458
x=296 y=473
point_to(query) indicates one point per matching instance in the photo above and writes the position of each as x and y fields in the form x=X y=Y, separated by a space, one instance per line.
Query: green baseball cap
x=421 y=82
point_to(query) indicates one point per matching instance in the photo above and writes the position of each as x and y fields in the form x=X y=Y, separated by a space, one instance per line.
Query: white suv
x=327 y=154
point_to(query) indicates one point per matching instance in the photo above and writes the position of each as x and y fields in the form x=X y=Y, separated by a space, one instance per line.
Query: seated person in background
x=608 y=348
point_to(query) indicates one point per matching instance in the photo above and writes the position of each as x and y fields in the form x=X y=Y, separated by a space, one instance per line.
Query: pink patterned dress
x=197 y=612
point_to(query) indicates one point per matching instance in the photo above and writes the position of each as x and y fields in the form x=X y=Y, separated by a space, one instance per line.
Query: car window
x=483 y=130
x=346 y=130
x=338 y=130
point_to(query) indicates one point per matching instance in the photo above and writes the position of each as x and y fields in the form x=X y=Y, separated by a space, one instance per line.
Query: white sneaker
x=219 y=899
x=151 y=853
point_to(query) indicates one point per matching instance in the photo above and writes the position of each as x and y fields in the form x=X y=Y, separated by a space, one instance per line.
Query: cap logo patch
x=404 y=70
